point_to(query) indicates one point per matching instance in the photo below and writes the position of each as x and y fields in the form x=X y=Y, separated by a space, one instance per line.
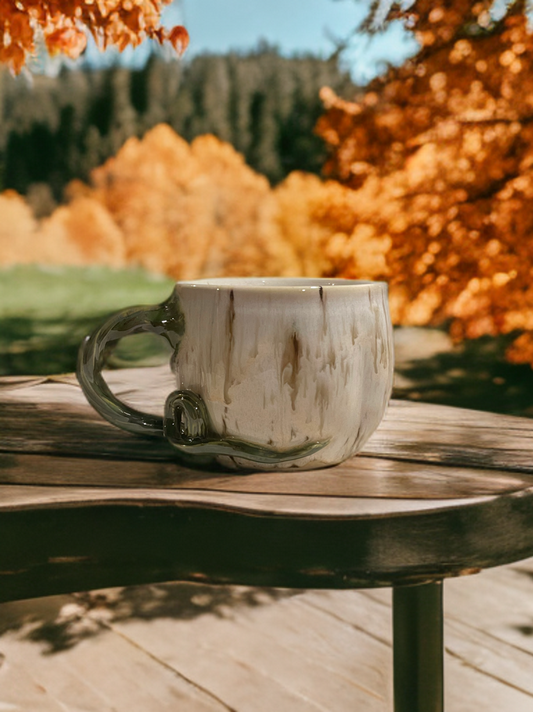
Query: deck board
x=217 y=649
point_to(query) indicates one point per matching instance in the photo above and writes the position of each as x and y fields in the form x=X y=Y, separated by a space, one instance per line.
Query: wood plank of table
x=19 y=498
x=68 y=539
x=51 y=416
x=359 y=477
x=402 y=518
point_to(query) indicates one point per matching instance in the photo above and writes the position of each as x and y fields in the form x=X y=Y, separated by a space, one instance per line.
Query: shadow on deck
x=197 y=648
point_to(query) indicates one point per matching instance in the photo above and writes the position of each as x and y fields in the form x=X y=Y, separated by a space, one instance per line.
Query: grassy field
x=45 y=313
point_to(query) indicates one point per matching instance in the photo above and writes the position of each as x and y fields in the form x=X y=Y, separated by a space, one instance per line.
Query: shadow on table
x=58 y=623
x=471 y=375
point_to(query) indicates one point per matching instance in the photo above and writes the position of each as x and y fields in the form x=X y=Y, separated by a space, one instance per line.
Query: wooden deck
x=194 y=648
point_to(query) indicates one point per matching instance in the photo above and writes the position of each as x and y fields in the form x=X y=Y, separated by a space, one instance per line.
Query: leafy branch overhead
x=438 y=157
x=63 y=24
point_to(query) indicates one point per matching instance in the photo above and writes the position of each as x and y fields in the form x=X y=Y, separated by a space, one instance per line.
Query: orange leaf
x=179 y=38
x=68 y=40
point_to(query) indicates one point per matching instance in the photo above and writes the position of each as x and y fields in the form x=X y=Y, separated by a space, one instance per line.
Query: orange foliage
x=188 y=211
x=439 y=157
x=62 y=23
x=192 y=210
x=433 y=169
x=79 y=234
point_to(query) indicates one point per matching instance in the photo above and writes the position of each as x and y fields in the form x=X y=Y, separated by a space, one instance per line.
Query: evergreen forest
x=55 y=129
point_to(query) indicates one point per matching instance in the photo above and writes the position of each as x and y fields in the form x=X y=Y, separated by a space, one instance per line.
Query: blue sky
x=294 y=26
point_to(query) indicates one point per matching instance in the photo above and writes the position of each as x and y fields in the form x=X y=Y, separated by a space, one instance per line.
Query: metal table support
x=418 y=648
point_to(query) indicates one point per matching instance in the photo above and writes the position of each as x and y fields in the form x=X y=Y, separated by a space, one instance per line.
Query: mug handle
x=95 y=350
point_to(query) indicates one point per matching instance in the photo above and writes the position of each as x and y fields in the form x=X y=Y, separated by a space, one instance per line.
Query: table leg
x=418 y=648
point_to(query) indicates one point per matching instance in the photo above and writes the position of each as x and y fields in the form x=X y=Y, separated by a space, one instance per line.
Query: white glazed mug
x=271 y=373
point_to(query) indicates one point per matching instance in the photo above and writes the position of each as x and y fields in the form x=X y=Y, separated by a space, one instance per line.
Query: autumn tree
x=63 y=25
x=186 y=210
x=438 y=159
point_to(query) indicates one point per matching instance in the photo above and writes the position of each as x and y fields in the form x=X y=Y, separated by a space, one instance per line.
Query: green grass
x=76 y=292
x=46 y=312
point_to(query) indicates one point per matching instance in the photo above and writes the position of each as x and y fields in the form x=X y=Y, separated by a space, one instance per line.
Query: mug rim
x=278 y=283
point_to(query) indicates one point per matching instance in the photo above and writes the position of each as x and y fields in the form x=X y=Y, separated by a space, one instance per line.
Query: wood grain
x=19 y=498
x=422 y=451
x=362 y=477
x=104 y=672
x=51 y=416
x=438 y=492
x=111 y=537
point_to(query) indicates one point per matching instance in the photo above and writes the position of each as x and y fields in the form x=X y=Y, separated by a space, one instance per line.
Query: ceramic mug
x=271 y=373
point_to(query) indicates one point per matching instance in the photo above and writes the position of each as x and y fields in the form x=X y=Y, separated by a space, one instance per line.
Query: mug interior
x=275 y=282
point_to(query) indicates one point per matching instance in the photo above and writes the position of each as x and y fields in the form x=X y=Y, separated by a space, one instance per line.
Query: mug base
x=237 y=465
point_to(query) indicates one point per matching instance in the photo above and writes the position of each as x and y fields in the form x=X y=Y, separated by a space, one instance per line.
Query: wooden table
x=437 y=492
